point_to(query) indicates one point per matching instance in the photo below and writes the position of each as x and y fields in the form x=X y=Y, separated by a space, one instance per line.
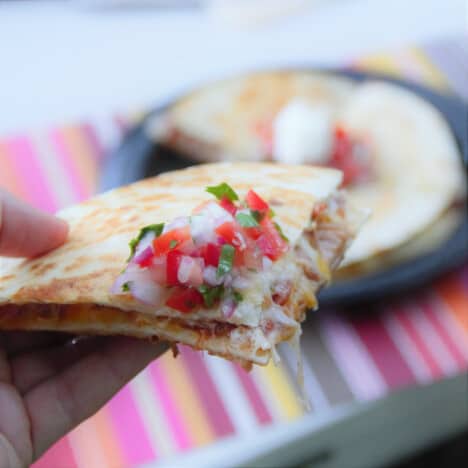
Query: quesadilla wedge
x=224 y=257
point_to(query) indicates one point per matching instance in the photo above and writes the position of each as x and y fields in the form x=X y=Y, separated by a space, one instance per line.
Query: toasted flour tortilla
x=218 y=121
x=417 y=166
x=69 y=288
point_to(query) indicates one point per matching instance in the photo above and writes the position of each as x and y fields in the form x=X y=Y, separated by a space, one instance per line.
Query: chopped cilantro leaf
x=223 y=190
x=156 y=228
x=257 y=215
x=211 y=294
x=173 y=243
x=280 y=231
x=271 y=213
x=126 y=286
x=237 y=296
x=246 y=220
x=225 y=260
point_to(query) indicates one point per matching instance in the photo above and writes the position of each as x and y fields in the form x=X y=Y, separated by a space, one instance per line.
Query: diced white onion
x=209 y=275
x=176 y=223
x=218 y=213
x=141 y=285
x=145 y=242
x=190 y=271
x=266 y=263
x=147 y=291
x=240 y=282
x=228 y=307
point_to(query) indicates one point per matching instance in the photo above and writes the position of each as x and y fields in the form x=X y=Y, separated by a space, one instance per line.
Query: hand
x=50 y=382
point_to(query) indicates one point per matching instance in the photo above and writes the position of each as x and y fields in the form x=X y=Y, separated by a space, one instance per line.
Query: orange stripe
x=83 y=157
x=107 y=439
x=94 y=444
x=185 y=395
x=456 y=299
x=9 y=179
x=86 y=447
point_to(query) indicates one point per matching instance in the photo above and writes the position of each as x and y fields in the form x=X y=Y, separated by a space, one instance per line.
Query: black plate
x=138 y=157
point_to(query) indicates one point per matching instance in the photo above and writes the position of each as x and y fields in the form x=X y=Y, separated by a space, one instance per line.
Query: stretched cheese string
x=295 y=343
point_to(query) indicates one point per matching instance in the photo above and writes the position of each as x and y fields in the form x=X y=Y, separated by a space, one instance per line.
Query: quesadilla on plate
x=396 y=151
x=224 y=257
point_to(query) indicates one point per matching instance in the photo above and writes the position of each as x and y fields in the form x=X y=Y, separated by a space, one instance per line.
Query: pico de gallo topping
x=348 y=153
x=351 y=156
x=202 y=260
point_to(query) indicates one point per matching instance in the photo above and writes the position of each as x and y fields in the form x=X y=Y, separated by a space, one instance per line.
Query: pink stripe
x=256 y=402
x=61 y=147
x=171 y=410
x=351 y=360
x=59 y=455
x=27 y=167
x=429 y=312
x=419 y=343
x=207 y=392
x=129 y=429
x=385 y=354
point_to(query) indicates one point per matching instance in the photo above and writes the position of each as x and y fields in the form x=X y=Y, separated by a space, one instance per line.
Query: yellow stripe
x=430 y=73
x=83 y=157
x=381 y=63
x=282 y=390
x=184 y=393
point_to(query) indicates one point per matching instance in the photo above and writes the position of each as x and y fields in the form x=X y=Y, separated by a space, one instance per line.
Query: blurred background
x=83 y=85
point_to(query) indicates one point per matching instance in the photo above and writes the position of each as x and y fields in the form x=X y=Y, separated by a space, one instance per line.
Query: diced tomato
x=184 y=300
x=253 y=232
x=228 y=206
x=343 y=158
x=174 y=258
x=256 y=203
x=171 y=239
x=210 y=253
x=251 y=257
x=270 y=242
x=226 y=231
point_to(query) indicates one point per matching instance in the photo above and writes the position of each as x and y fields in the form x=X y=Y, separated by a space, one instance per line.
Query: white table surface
x=61 y=63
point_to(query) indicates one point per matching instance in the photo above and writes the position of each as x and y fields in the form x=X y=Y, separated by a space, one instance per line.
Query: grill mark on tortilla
x=7 y=277
x=79 y=286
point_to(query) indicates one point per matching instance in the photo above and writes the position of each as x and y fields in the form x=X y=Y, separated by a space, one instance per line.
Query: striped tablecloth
x=178 y=404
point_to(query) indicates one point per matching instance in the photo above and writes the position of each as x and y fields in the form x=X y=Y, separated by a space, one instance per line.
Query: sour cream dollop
x=303 y=133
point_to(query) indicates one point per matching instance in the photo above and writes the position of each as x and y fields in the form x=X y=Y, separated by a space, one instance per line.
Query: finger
x=14 y=429
x=27 y=232
x=16 y=342
x=31 y=368
x=59 y=404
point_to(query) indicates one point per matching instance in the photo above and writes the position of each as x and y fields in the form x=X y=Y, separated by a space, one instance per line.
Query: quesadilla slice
x=225 y=258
